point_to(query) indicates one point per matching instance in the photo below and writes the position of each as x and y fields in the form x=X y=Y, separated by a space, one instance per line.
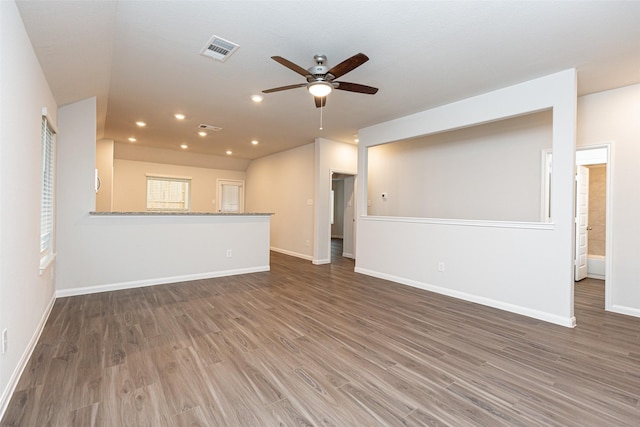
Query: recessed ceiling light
x=255 y=142
x=132 y=139
x=141 y=124
x=202 y=133
x=179 y=116
x=257 y=98
x=184 y=146
x=229 y=152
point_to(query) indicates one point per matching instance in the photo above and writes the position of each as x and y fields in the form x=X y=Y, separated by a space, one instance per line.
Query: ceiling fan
x=321 y=80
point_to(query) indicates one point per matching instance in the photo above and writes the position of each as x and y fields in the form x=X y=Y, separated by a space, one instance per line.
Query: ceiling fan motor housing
x=317 y=72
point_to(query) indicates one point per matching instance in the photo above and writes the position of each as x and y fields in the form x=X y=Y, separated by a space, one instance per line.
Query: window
x=167 y=194
x=47 y=201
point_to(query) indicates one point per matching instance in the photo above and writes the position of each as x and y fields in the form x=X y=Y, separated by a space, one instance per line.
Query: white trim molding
x=24 y=359
x=61 y=293
x=569 y=322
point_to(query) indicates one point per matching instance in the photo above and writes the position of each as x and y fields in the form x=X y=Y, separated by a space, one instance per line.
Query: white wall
x=130 y=184
x=614 y=116
x=521 y=267
x=98 y=253
x=330 y=157
x=490 y=171
x=283 y=183
x=25 y=296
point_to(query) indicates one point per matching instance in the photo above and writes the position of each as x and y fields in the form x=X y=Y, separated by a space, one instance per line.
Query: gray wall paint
x=489 y=172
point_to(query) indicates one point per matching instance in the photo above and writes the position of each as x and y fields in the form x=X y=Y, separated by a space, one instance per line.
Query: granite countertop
x=168 y=213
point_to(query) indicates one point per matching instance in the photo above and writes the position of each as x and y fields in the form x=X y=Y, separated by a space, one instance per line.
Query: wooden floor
x=306 y=345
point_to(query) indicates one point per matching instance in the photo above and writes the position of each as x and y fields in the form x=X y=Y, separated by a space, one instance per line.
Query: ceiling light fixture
x=132 y=139
x=256 y=98
x=229 y=152
x=141 y=124
x=179 y=116
x=255 y=142
x=202 y=133
x=184 y=146
x=320 y=88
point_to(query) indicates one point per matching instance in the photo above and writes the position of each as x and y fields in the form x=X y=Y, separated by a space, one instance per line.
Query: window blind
x=47 y=194
x=167 y=194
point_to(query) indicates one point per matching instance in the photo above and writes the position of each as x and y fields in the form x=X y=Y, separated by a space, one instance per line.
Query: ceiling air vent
x=219 y=49
x=210 y=128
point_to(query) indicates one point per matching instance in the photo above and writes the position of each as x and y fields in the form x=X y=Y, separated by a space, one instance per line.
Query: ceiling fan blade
x=355 y=87
x=320 y=101
x=348 y=65
x=278 y=89
x=290 y=65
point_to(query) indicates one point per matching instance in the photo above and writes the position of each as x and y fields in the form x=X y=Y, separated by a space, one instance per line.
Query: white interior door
x=582 y=222
x=230 y=196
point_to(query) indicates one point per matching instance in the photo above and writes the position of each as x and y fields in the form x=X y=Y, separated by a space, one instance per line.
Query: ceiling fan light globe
x=320 y=89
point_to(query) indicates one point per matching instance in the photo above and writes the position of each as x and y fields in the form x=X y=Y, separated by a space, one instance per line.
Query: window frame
x=47 y=191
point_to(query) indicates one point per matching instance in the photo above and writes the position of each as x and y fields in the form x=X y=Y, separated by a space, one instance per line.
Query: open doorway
x=343 y=217
x=596 y=160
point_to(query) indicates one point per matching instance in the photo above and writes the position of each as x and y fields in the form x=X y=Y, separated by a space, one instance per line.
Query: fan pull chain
x=321 y=108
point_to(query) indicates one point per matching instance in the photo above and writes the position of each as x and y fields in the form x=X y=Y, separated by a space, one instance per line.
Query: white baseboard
x=596 y=276
x=525 y=311
x=347 y=255
x=622 y=309
x=291 y=253
x=24 y=359
x=321 y=261
x=60 y=293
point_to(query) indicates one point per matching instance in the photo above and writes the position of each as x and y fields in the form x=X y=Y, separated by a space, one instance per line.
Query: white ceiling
x=141 y=60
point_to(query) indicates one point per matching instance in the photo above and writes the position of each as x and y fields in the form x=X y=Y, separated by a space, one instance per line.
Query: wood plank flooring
x=306 y=345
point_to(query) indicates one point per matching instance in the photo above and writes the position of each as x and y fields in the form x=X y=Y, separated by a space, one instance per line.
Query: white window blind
x=167 y=194
x=47 y=195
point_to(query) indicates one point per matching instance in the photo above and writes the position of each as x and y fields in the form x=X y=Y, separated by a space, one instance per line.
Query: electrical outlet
x=5 y=340
x=441 y=266
x=229 y=253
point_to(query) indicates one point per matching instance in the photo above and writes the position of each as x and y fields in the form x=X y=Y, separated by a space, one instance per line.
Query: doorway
x=342 y=215
x=597 y=160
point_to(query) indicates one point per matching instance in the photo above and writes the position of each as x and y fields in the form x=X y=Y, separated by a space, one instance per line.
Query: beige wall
x=104 y=165
x=487 y=172
x=130 y=184
x=597 y=208
x=283 y=184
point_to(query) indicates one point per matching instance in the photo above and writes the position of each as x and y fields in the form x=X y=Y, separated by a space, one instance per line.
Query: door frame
x=219 y=183
x=355 y=212
x=581 y=250
x=608 y=274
